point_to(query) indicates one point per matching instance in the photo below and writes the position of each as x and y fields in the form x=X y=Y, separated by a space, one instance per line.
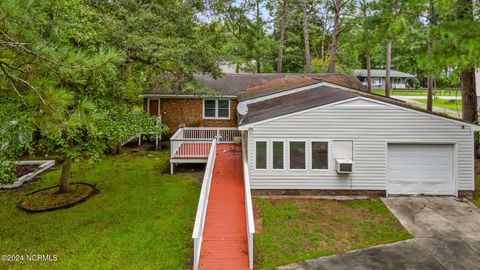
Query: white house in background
x=399 y=80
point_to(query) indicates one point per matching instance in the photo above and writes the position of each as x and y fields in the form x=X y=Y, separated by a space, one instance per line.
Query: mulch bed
x=49 y=199
x=25 y=169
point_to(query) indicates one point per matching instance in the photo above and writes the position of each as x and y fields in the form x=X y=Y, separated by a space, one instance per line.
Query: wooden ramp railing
x=202 y=205
x=224 y=227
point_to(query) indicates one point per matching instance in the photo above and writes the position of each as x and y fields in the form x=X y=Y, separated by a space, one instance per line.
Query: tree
x=338 y=8
x=458 y=45
x=283 y=18
x=306 y=39
x=392 y=20
x=67 y=67
x=431 y=23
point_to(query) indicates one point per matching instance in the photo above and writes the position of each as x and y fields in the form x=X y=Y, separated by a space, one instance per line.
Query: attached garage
x=420 y=169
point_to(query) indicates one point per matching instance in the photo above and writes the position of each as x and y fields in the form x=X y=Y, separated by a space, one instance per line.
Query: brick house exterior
x=187 y=112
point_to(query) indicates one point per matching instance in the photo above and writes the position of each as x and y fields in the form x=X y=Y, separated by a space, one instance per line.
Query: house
x=322 y=134
x=398 y=79
x=187 y=110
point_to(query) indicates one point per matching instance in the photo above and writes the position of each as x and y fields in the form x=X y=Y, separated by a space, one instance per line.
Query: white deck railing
x=202 y=205
x=194 y=142
x=248 y=205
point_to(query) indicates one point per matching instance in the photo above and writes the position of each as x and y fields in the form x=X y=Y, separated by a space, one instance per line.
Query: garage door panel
x=420 y=169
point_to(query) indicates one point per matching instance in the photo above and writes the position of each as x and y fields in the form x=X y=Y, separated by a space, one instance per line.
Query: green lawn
x=450 y=104
x=141 y=219
x=417 y=92
x=292 y=230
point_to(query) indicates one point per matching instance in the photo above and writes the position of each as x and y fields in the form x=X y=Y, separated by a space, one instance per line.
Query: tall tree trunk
x=387 y=75
x=324 y=31
x=467 y=74
x=430 y=93
x=469 y=95
x=259 y=31
x=332 y=67
x=306 y=39
x=283 y=22
x=431 y=15
x=369 y=73
x=66 y=175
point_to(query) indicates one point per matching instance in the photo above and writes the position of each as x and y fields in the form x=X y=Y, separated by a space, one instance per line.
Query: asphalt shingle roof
x=382 y=73
x=295 y=102
x=234 y=84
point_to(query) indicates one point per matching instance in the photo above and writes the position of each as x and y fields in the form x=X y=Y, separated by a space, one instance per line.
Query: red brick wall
x=182 y=112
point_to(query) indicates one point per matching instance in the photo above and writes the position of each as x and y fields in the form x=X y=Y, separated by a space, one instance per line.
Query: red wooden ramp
x=224 y=243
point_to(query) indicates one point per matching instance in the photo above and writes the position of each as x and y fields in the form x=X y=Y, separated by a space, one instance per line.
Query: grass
x=141 y=219
x=292 y=230
x=416 y=92
x=450 y=104
x=476 y=194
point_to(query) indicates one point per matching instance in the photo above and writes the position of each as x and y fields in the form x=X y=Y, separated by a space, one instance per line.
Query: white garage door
x=420 y=169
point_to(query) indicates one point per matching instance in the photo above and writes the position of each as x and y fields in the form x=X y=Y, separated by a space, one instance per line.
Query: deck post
x=171 y=168
x=139 y=139
x=156 y=142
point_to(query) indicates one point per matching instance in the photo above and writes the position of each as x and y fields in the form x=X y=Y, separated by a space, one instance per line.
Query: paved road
x=447 y=235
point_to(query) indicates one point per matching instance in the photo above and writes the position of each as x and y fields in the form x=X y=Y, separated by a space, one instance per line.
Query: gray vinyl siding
x=371 y=126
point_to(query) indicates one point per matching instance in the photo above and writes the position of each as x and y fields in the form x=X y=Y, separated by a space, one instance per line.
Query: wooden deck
x=192 y=151
x=224 y=243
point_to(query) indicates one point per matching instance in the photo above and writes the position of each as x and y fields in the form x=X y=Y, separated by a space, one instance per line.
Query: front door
x=153 y=107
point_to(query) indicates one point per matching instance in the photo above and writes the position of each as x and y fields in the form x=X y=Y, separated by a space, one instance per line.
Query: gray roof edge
x=382 y=73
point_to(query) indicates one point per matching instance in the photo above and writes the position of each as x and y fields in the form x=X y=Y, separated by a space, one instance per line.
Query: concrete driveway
x=447 y=236
x=436 y=217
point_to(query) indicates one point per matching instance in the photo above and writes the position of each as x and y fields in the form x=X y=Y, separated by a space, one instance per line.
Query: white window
x=277 y=155
x=319 y=155
x=297 y=155
x=216 y=108
x=343 y=149
x=261 y=154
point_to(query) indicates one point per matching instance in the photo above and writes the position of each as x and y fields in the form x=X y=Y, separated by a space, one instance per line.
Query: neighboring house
x=323 y=134
x=398 y=79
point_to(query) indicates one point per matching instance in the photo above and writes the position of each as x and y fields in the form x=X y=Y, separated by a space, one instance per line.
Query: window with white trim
x=319 y=155
x=277 y=154
x=216 y=108
x=261 y=154
x=297 y=155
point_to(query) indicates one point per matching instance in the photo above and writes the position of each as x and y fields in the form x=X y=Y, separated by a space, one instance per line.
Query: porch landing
x=225 y=235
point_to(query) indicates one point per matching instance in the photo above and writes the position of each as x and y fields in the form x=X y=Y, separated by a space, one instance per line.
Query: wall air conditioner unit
x=344 y=165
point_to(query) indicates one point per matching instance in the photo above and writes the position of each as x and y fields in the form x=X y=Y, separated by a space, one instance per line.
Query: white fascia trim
x=245 y=127
x=186 y=96
x=292 y=91
x=474 y=127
